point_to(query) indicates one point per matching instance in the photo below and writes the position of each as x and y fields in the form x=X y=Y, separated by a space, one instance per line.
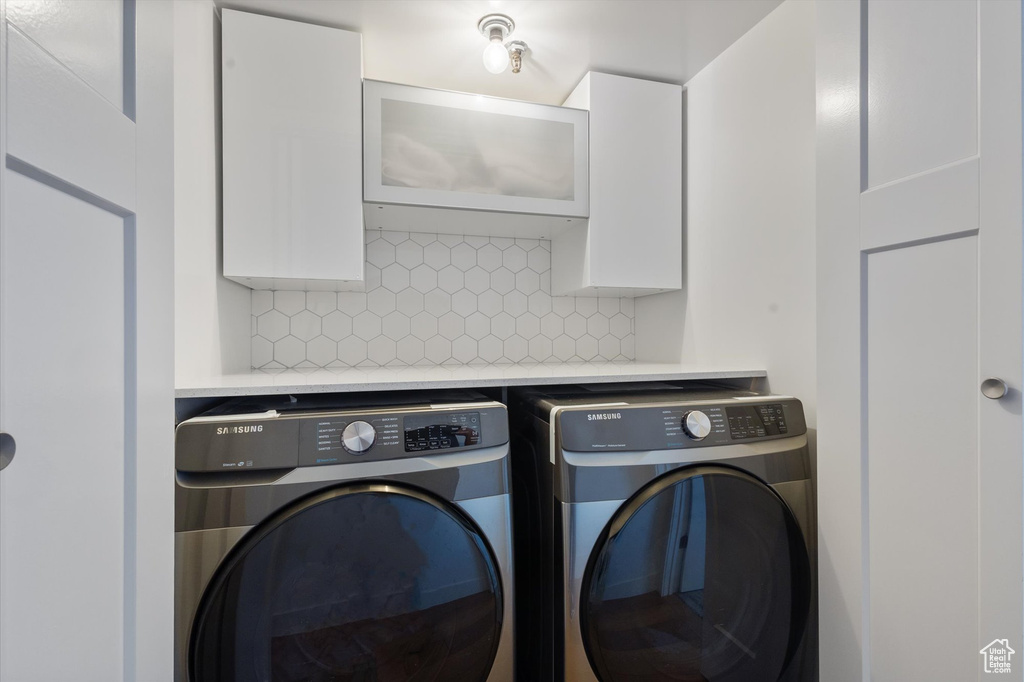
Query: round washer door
x=702 y=576
x=360 y=582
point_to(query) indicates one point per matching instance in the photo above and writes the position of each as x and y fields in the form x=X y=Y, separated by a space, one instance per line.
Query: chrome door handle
x=993 y=388
x=7 y=448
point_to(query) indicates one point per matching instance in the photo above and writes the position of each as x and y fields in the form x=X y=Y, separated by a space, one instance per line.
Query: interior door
x=919 y=258
x=76 y=300
x=703 y=575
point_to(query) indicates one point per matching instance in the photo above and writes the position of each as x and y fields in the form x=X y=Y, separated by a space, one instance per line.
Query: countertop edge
x=386 y=384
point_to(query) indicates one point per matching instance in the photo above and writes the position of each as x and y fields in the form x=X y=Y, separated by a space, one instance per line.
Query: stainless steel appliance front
x=389 y=560
x=672 y=555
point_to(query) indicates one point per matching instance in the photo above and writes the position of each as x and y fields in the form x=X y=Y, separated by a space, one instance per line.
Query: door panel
x=62 y=497
x=58 y=124
x=922 y=459
x=86 y=36
x=922 y=86
x=919 y=182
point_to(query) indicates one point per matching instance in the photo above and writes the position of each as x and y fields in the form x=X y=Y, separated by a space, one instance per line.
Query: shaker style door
x=86 y=356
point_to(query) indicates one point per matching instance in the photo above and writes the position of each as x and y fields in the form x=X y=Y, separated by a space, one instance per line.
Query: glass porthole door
x=365 y=582
x=703 y=576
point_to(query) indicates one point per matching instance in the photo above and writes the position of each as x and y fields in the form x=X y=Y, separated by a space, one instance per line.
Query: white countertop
x=350 y=379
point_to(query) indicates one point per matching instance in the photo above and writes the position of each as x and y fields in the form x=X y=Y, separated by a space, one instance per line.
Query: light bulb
x=495 y=57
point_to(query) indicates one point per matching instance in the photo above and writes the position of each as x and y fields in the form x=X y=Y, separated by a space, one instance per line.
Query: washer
x=663 y=534
x=344 y=539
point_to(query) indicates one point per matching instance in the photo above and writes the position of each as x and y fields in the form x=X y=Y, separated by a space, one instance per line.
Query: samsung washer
x=337 y=540
x=663 y=535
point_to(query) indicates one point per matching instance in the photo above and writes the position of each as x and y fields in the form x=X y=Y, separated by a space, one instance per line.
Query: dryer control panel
x=442 y=432
x=624 y=427
x=756 y=421
x=275 y=440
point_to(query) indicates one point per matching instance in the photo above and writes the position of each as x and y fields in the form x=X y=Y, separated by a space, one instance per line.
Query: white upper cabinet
x=633 y=243
x=292 y=154
x=460 y=155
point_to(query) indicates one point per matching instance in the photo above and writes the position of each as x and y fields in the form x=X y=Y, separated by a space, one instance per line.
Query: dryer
x=663 y=535
x=350 y=538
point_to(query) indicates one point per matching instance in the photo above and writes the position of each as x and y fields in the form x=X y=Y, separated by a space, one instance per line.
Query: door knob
x=993 y=388
x=7 y=448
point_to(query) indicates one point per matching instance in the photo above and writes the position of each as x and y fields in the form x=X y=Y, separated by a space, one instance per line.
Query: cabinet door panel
x=632 y=244
x=292 y=148
x=636 y=236
x=453 y=150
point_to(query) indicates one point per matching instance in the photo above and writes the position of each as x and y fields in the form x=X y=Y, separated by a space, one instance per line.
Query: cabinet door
x=292 y=154
x=459 y=151
x=919 y=275
x=633 y=243
x=85 y=351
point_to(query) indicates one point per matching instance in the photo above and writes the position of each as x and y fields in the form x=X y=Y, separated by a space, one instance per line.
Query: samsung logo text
x=604 y=415
x=249 y=428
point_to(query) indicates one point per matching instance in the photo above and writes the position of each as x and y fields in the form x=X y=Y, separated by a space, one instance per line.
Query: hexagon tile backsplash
x=441 y=300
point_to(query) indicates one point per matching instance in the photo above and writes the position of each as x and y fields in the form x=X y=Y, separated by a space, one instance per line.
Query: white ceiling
x=435 y=43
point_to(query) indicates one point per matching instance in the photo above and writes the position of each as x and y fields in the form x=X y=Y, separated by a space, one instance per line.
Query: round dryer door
x=702 y=576
x=361 y=582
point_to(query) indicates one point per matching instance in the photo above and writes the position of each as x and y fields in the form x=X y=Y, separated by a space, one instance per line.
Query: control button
x=696 y=425
x=358 y=437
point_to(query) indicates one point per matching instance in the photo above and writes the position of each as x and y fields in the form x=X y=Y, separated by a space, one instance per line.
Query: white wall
x=749 y=250
x=212 y=323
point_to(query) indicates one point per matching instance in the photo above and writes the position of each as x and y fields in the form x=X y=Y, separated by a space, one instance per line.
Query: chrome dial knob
x=358 y=437
x=696 y=425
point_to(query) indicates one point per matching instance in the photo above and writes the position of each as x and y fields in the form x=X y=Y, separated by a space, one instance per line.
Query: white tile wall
x=441 y=300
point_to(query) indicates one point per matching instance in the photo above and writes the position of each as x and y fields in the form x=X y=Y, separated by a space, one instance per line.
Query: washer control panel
x=275 y=440
x=611 y=427
x=338 y=435
x=756 y=421
x=693 y=424
x=442 y=432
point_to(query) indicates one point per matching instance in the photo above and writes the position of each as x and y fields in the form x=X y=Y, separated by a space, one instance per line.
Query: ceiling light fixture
x=497 y=28
x=516 y=49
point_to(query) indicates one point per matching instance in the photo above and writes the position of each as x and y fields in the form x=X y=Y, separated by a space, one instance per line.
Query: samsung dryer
x=344 y=540
x=663 y=535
